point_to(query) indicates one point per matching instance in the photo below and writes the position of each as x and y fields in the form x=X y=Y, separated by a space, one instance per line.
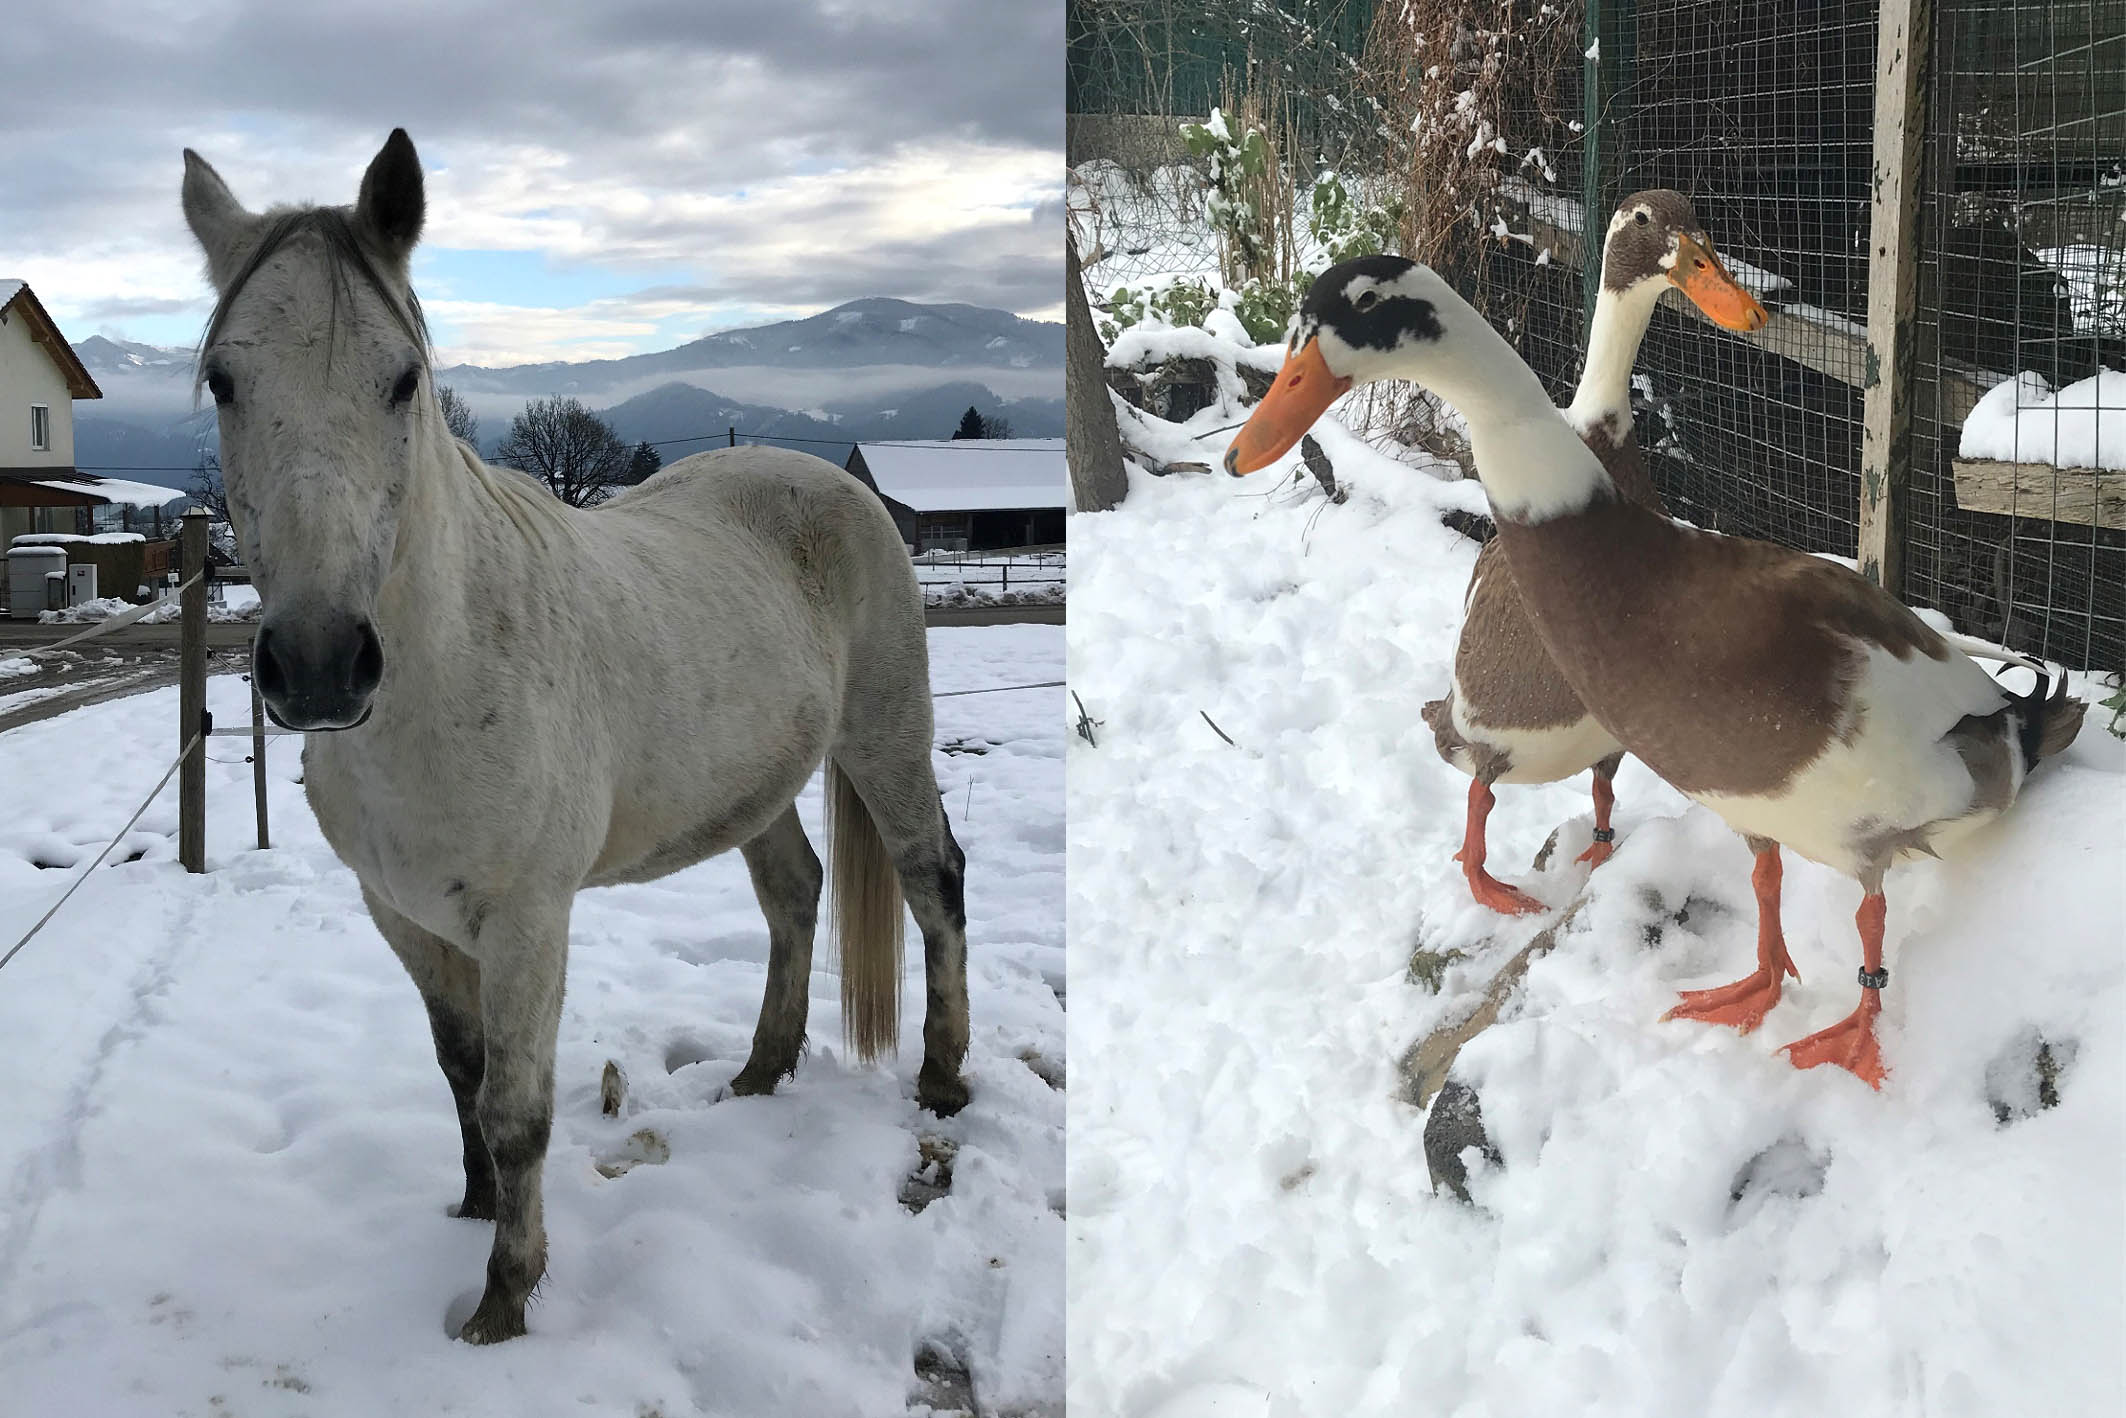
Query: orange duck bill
x=1303 y=392
x=1700 y=274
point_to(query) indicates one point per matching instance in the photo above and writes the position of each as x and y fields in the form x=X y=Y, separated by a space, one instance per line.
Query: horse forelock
x=347 y=258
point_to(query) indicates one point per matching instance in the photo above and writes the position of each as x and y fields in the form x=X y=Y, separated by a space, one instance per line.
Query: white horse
x=508 y=699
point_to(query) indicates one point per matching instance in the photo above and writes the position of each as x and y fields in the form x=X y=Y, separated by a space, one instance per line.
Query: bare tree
x=206 y=488
x=569 y=448
x=458 y=415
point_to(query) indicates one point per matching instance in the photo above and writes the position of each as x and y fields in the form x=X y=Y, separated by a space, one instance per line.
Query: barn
x=969 y=494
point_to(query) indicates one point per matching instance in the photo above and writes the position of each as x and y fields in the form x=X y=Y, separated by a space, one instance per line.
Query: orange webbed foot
x=1850 y=1044
x=1742 y=1004
x=1496 y=895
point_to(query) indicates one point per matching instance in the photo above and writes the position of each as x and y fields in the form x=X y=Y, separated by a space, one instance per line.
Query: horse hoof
x=751 y=1082
x=493 y=1322
x=475 y=1208
x=941 y=1093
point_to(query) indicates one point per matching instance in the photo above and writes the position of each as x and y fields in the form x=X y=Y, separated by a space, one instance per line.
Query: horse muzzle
x=318 y=674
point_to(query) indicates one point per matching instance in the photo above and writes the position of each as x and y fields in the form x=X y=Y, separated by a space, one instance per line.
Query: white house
x=40 y=377
x=969 y=494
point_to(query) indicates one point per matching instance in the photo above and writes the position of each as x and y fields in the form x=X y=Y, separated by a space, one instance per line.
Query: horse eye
x=219 y=386
x=403 y=390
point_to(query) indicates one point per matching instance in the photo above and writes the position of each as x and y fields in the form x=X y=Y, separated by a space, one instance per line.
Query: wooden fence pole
x=192 y=692
x=1901 y=62
x=258 y=760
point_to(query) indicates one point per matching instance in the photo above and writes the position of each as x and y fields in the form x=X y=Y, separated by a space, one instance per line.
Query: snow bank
x=1682 y=1224
x=2021 y=420
x=228 y=1146
x=57 y=539
x=238 y=603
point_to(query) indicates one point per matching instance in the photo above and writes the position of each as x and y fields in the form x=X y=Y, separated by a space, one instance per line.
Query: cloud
x=779 y=157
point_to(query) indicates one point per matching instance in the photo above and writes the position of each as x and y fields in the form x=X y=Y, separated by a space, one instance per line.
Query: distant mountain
x=686 y=411
x=875 y=368
x=874 y=331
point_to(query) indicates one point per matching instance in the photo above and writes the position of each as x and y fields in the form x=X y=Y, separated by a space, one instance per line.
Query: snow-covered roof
x=970 y=474
x=116 y=491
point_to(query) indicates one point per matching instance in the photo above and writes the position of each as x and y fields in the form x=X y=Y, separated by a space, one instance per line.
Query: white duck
x=1788 y=694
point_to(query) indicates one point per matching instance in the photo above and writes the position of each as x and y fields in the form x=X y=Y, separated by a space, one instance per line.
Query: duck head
x=1655 y=240
x=1388 y=317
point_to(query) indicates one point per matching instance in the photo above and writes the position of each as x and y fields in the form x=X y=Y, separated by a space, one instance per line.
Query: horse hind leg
x=449 y=982
x=786 y=879
x=896 y=812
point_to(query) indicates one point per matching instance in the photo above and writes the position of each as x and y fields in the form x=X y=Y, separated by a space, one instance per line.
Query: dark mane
x=345 y=256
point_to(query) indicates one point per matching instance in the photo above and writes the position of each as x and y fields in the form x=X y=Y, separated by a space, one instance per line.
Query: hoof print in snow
x=943 y=1384
x=1455 y=1124
x=685 y=1052
x=612 y=1089
x=933 y=1177
x=1042 y=1067
x=646 y=1147
x=1786 y=1168
x=2024 y=1078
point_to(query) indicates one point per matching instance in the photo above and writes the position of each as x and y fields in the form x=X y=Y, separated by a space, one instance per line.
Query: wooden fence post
x=192 y=692
x=1901 y=60
x=258 y=759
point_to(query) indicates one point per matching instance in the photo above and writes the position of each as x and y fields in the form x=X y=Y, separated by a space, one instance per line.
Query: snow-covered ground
x=1682 y=1224
x=991 y=578
x=226 y=1148
x=2023 y=420
x=238 y=602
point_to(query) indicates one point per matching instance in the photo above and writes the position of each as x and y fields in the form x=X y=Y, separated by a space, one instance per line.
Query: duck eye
x=1641 y=218
x=1368 y=300
x=403 y=390
x=220 y=387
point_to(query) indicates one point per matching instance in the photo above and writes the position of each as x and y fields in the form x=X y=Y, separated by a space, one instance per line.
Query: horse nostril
x=266 y=668
x=367 y=670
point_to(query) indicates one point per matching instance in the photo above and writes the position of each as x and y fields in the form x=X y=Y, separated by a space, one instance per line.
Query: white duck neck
x=1620 y=321
x=1533 y=466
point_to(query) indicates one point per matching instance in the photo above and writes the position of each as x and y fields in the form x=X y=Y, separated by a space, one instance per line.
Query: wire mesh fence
x=1514 y=127
x=2016 y=526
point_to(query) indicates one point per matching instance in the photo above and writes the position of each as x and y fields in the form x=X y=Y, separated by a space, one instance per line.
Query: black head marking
x=1358 y=301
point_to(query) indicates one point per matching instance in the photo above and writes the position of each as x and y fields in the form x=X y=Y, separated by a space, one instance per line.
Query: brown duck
x=1793 y=697
x=1510 y=716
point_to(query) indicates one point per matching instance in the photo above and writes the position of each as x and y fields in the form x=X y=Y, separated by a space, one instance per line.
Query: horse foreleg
x=524 y=958
x=449 y=982
x=786 y=880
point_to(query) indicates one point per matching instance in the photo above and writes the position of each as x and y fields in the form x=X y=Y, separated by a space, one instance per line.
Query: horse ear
x=394 y=200
x=217 y=219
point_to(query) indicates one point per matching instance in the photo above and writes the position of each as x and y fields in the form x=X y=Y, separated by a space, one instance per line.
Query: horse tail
x=867 y=922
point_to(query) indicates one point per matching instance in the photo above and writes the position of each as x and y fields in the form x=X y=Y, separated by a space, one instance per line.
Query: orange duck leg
x=1486 y=888
x=1851 y=1042
x=1605 y=837
x=1745 y=1003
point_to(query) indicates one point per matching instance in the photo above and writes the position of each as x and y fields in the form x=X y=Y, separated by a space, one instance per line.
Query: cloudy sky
x=603 y=178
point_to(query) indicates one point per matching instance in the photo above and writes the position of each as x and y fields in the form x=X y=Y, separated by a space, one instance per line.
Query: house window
x=40 y=428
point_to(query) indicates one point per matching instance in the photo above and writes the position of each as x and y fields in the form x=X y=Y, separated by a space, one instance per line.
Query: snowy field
x=226 y=1148
x=1681 y=1223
